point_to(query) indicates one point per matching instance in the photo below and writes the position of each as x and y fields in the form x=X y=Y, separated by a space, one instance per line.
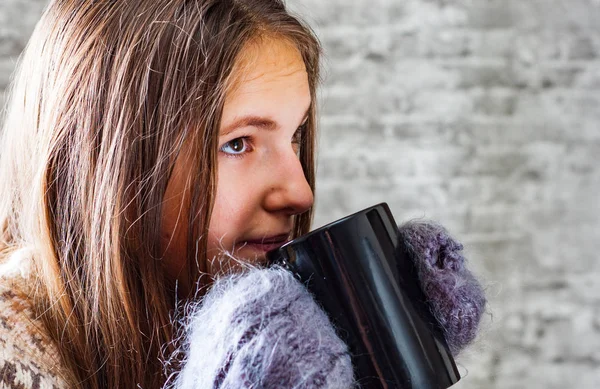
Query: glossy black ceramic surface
x=368 y=285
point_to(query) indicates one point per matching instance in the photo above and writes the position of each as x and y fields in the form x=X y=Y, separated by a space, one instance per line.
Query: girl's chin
x=226 y=263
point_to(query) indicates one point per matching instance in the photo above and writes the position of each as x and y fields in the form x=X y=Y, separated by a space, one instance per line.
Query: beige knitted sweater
x=28 y=358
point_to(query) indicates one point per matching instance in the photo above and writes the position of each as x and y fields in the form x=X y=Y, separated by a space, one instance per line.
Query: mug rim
x=329 y=225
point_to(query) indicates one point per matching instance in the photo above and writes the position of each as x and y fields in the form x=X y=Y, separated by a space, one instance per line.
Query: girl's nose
x=288 y=190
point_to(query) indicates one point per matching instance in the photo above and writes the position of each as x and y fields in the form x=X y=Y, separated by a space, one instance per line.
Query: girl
x=120 y=114
x=148 y=146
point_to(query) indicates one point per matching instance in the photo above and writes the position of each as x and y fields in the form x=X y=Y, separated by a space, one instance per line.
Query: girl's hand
x=262 y=329
x=453 y=293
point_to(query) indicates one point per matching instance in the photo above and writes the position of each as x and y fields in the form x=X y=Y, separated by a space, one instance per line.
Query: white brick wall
x=484 y=115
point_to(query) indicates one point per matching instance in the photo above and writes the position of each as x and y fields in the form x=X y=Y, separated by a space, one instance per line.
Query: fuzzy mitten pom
x=456 y=298
x=262 y=329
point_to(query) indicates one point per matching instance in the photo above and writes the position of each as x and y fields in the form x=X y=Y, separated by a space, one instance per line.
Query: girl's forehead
x=266 y=60
x=272 y=82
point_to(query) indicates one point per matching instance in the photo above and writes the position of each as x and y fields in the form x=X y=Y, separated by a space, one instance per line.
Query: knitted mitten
x=455 y=296
x=262 y=329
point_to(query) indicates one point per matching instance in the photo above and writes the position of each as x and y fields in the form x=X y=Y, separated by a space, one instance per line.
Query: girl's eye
x=297 y=138
x=236 y=146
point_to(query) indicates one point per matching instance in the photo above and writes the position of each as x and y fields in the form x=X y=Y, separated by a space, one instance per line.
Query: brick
x=340 y=134
x=473 y=192
x=500 y=260
x=474 y=75
x=519 y=367
x=445 y=163
x=419 y=75
x=553 y=376
x=454 y=219
x=11 y=44
x=451 y=105
x=347 y=74
x=567 y=248
x=352 y=101
x=343 y=43
x=390 y=161
x=21 y=15
x=567 y=213
x=545 y=305
x=559 y=77
x=560 y=104
x=494 y=102
x=493 y=14
x=442 y=104
x=321 y=14
x=580 y=159
x=498 y=219
x=552 y=44
x=485 y=131
x=583 y=48
x=531 y=47
x=480 y=377
x=344 y=169
x=495 y=162
x=533 y=14
x=338 y=12
x=407 y=44
x=588 y=78
x=572 y=15
x=444 y=43
x=7 y=66
x=498 y=43
x=580 y=345
x=419 y=132
x=413 y=196
x=419 y=15
x=580 y=105
x=374 y=43
x=522 y=331
x=344 y=198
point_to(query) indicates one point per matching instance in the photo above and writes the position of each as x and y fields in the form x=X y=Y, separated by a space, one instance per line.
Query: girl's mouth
x=267 y=243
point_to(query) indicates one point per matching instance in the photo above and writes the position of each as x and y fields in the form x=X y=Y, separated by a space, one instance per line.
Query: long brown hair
x=106 y=95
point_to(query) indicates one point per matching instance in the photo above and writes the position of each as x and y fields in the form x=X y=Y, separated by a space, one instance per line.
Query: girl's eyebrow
x=260 y=122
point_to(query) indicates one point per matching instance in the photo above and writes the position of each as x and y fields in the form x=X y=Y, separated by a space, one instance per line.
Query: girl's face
x=261 y=183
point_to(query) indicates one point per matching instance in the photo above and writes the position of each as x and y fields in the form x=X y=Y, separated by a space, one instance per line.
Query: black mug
x=368 y=285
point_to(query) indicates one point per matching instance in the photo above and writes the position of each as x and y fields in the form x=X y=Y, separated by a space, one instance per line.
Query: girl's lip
x=264 y=246
x=267 y=243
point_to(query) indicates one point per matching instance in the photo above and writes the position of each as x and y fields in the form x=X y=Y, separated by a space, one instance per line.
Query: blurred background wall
x=483 y=115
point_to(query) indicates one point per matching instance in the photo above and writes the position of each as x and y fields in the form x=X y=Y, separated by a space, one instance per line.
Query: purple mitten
x=262 y=329
x=455 y=296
